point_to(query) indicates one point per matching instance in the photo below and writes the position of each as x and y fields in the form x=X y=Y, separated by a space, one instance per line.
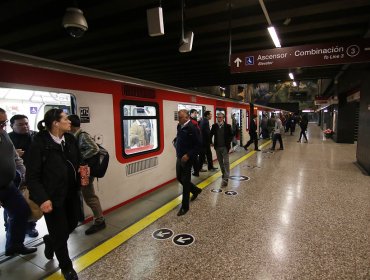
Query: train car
x=133 y=119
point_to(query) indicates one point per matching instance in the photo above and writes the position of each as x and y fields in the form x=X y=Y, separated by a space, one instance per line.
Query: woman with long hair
x=53 y=182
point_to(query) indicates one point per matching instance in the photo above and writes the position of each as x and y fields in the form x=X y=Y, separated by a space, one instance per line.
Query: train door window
x=140 y=127
x=34 y=104
x=188 y=107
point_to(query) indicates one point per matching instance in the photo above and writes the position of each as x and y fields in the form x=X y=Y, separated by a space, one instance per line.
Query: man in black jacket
x=252 y=134
x=222 y=144
x=206 y=144
x=187 y=147
x=21 y=137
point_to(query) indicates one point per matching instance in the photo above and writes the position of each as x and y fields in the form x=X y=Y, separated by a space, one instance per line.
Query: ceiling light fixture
x=74 y=22
x=186 y=43
x=271 y=28
x=291 y=75
x=274 y=36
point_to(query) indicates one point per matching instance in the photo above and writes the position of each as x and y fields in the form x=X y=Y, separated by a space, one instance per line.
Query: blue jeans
x=18 y=212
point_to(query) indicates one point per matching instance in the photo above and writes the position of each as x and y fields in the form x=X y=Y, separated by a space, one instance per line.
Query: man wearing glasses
x=10 y=197
x=222 y=143
x=21 y=137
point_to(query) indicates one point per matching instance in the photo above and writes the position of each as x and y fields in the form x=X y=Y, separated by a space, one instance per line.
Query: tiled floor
x=304 y=214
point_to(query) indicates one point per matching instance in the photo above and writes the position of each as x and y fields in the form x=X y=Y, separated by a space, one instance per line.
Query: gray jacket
x=9 y=161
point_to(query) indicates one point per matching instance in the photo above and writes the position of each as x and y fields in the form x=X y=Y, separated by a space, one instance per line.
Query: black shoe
x=212 y=169
x=203 y=170
x=281 y=149
x=69 y=274
x=196 y=195
x=245 y=148
x=258 y=150
x=196 y=174
x=48 y=251
x=32 y=233
x=182 y=212
x=22 y=251
x=95 y=228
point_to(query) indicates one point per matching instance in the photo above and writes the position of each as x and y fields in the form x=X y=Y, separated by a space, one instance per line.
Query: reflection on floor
x=304 y=214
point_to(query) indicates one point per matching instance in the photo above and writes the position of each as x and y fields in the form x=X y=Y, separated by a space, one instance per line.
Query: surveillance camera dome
x=74 y=22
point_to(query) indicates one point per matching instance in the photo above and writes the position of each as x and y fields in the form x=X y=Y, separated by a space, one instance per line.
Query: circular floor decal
x=231 y=193
x=163 y=233
x=239 y=178
x=183 y=239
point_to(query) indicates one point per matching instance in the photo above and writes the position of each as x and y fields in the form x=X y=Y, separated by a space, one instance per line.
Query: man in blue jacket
x=188 y=144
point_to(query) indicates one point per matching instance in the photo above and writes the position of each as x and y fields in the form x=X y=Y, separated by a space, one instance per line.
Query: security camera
x=74 y=22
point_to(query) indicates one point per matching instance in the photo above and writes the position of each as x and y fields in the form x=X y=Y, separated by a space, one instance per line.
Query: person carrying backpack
x=88 y=149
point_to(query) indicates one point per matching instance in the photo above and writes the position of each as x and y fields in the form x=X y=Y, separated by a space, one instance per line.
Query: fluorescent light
x=294 y=84
x=291 y=75
x=274 y=36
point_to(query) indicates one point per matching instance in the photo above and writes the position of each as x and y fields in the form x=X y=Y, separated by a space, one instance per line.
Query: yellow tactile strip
x=103 y=249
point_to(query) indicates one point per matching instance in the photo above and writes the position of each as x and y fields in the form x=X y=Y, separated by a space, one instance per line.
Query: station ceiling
x=117 y=40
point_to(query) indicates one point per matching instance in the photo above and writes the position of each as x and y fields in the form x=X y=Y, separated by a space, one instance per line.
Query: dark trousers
x=18 y=212
x=277 y=136
x=183 y=175
x=195 y=164
x=303 y=132
x=253 y=139
x=61 y=222
x=206 y=152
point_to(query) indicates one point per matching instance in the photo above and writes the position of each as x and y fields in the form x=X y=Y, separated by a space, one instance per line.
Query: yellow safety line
x=103 y=249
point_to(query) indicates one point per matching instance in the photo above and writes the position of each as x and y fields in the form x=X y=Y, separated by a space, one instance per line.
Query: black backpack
x=98 y=163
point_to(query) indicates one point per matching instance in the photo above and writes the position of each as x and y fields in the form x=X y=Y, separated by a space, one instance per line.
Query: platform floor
x=304 y=213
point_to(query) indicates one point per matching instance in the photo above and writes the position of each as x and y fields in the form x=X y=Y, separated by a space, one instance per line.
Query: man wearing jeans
x=222 y=143
x=88 y=148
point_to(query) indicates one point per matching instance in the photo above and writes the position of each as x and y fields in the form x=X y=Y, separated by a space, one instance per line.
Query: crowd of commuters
x=49 y=162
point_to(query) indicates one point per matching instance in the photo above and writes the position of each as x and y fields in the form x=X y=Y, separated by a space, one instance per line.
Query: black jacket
x=205 y=131
x=188 y=140
x=228 y=135
x=52 y=172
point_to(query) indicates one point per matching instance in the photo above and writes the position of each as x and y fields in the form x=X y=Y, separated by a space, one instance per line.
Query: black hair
x=207 y=113
x=50 y=116
x=17 y=117
x=192 y=111
x=2 y=111
x=75 y=120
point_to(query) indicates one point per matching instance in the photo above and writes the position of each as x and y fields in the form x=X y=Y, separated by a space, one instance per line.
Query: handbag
x=36 y=213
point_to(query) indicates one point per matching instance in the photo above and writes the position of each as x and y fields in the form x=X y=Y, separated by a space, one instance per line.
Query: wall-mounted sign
x=301 y=56
x=33 y=110
x=84 y=114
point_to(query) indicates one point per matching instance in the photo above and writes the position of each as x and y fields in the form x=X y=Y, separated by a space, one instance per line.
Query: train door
x=237 y=125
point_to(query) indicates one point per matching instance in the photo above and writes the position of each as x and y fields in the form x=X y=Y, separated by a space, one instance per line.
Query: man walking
x=222 y=143
x=10 y=197
x=206 y=144
x=187 y=147
x=21 y=137
x=88 y=148
x=253 y=134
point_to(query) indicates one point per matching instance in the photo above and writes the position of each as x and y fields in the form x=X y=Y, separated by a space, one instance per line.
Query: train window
x=188 y=107
x=140 y=127
x=33 y=103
